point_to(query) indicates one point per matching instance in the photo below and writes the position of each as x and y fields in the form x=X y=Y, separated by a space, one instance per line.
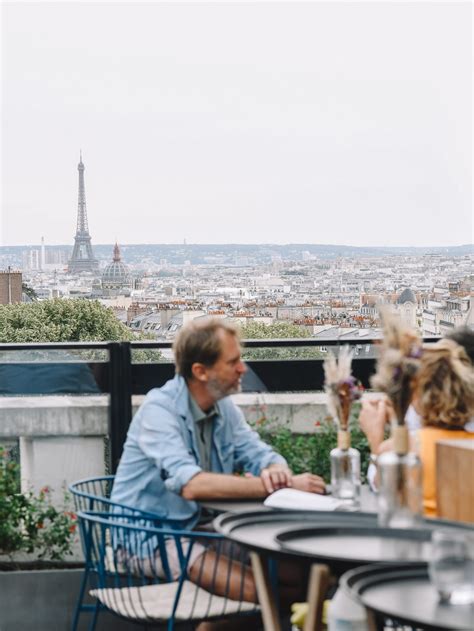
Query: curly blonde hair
x=444 y=388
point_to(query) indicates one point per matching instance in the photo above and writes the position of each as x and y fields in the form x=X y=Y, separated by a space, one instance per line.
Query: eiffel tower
x=82 y=259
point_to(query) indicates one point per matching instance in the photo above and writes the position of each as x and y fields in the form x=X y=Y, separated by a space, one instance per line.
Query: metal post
x=9 y=285
x=120 y=408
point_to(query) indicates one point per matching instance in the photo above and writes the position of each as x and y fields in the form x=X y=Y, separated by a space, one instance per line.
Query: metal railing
x=121 y=378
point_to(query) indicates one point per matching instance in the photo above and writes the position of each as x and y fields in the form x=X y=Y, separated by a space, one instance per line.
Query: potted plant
x=35 y=536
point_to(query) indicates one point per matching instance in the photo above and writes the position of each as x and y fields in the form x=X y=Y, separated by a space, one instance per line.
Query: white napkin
x=301 y=500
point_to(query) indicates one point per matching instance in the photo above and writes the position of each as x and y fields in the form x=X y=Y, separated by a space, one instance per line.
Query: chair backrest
x=93 y=495
x=454 y=475
x=138 y=578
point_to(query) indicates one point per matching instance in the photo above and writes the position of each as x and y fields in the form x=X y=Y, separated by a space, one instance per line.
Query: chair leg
x=317 y=588
x=271 y=621
x=95 y=615
x=78 y=608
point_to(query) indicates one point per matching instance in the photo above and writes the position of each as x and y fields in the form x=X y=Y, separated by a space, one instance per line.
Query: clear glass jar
x=451 y=566
x=400 y=483
x=345 y=471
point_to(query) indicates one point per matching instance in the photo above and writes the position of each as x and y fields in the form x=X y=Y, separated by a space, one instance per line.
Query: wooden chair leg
x=317 y=588
x=270 y=617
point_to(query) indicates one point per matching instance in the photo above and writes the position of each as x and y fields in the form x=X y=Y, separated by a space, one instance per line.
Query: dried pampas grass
x=340 y=386
x=398 y=363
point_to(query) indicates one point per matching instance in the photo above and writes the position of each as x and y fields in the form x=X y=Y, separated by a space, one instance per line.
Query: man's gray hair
x=200 y=342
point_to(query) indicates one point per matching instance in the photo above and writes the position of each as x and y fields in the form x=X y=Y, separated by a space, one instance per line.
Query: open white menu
x=301 y=500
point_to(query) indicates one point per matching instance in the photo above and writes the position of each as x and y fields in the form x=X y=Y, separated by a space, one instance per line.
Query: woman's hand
x=374 y=415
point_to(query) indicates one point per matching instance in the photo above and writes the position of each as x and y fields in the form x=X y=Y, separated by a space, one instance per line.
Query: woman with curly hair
x=443 y=396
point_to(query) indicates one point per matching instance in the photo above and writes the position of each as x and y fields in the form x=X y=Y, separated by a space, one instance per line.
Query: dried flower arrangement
x=341 y=387
x=398 y=363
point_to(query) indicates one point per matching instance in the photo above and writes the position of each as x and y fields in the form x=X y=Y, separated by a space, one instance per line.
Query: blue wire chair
x=93 y=494
x=137 y=579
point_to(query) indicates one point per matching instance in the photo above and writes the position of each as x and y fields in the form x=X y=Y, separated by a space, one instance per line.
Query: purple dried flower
x=416 y=352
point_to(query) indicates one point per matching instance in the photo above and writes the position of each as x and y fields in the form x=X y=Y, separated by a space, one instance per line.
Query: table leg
x=317 y=588
x=372 y=623
x=270 y=617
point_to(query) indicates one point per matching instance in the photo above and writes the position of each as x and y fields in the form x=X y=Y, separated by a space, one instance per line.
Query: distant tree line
x=61 y=320
x=76 y=320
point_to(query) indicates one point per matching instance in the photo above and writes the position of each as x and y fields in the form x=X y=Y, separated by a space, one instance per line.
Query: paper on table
x=301 y=500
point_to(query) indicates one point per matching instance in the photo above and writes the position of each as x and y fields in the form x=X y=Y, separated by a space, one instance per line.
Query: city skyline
x=271 y=123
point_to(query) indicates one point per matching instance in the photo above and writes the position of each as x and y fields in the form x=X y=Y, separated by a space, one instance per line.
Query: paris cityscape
x=302 y=173
x=246 y=182
x=327 y=291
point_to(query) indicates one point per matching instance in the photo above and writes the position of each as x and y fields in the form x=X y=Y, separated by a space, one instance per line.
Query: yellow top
x=428 y=437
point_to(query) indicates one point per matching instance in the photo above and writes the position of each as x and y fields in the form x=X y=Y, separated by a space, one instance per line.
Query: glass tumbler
x=451 y=566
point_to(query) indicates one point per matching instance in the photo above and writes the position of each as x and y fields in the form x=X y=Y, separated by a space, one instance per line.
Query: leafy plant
x=29 y=522
x=29 y=291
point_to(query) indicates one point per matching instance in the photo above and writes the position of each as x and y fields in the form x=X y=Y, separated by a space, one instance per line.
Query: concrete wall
x=61 y=438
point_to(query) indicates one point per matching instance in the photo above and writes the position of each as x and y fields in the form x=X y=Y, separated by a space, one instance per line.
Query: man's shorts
x=125 y=562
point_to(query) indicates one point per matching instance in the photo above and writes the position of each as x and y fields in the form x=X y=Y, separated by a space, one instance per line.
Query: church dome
x=116 y=275
x=407 y=295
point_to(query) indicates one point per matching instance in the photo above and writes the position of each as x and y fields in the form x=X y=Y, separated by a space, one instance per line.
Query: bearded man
x=188 y=438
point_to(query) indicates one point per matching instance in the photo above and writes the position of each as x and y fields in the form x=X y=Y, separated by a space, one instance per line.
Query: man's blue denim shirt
x=161 y=453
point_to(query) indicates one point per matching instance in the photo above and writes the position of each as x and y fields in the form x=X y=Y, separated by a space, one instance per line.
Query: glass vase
x=345 y=471
x=400 y=498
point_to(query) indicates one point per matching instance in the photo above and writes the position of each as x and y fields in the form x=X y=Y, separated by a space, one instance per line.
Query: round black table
x=261 y=528
x=405 y=594
x=258 y=530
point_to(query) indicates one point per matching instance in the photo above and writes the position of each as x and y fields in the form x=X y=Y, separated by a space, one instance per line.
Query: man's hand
x=309 y=482
x=276 y=476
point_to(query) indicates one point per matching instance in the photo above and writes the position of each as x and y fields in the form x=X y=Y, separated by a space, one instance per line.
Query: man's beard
x=218 y=390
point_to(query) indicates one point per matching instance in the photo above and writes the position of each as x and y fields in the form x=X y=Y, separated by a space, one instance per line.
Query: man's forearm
x=214 y=486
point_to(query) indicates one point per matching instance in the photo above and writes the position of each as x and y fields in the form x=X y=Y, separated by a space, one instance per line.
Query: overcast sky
x=315 y=122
